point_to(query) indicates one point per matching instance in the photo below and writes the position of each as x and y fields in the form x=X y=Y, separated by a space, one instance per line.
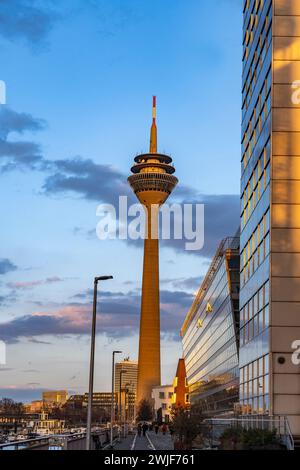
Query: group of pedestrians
x=144 y=427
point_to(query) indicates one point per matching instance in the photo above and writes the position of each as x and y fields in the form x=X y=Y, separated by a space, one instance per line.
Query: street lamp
x=112 y=411
x=92 y=362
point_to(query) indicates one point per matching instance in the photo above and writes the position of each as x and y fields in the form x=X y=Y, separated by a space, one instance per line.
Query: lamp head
x=103 y=278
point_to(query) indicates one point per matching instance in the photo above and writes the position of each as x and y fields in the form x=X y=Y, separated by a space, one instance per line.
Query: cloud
x=31 y=284
x=191 y=283
x=12 y=121
x=90 y=234
x=118 y=317
x=8 y=299
x=105 y=183
x=6 y=266
x=36 y=341
x=88 y=294
x=26 y=20
x=90 y=180
x=19 y=154
x=221 y=219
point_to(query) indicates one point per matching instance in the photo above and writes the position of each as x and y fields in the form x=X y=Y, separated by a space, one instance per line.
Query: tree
x=186 y=426
x=77 y=416
x=145 y=412
x=11 y=409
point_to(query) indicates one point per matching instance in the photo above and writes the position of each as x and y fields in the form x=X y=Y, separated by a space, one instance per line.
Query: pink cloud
x=31 y=284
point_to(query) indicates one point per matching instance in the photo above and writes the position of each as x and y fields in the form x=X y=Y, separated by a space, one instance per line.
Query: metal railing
x=102 y=438
x=38 y=441
x=278 y=424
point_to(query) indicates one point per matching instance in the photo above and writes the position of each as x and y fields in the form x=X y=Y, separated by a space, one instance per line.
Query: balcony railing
x=278 y=424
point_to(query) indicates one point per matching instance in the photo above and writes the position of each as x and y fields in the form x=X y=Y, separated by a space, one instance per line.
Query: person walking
x=96 y=440
x=156 y=429
x=139 y=429
x=145 y=429
x=164 y=429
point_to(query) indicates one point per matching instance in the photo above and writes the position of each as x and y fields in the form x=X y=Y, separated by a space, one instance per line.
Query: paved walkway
x=152 y=441
x=161 y=442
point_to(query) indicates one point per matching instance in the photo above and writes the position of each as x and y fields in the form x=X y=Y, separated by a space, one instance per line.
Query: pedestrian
x=145 y=429
x=97 y=442
x=156 y=428
x=164 y=429
x=139 y=429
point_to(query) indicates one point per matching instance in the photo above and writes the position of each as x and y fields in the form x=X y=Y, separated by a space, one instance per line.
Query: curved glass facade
x=210 y=335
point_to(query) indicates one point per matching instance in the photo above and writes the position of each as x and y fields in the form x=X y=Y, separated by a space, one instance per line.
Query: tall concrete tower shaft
x=152 y=181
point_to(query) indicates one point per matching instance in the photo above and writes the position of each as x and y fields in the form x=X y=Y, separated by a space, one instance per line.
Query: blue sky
x=80 y=76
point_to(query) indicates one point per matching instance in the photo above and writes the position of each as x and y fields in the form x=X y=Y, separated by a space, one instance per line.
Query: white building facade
x=163 y=400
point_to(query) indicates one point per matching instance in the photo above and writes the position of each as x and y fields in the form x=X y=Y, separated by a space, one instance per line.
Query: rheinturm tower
x=152 y=181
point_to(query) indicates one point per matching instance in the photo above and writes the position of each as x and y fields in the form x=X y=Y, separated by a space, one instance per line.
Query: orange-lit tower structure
x=152 y=181
x=181 y=390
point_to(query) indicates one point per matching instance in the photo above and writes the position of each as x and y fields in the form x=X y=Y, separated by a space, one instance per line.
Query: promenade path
x=152 y=441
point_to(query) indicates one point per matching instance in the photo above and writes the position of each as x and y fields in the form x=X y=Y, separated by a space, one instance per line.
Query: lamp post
x=92 y=362
x=112 y=411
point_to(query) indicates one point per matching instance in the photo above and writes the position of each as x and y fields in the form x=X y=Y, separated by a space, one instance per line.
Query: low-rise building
x=103 y=401
x=34 y=407
x=45 y=426
x=55 y=397
x=163 y=401
x=75 y=401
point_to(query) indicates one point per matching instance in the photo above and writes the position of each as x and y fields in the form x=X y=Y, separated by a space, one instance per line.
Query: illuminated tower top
x=152 y=171
x=153 y=135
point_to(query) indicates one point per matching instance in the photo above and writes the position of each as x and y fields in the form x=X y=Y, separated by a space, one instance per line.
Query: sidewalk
x=160 y=441
x=125 y=444
x=155 y=442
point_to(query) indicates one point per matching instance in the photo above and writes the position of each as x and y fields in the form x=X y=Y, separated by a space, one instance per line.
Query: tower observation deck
x=152 y=181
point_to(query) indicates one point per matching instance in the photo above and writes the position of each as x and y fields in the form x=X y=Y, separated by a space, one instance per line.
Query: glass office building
x=270 y=210
x=210 y=335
